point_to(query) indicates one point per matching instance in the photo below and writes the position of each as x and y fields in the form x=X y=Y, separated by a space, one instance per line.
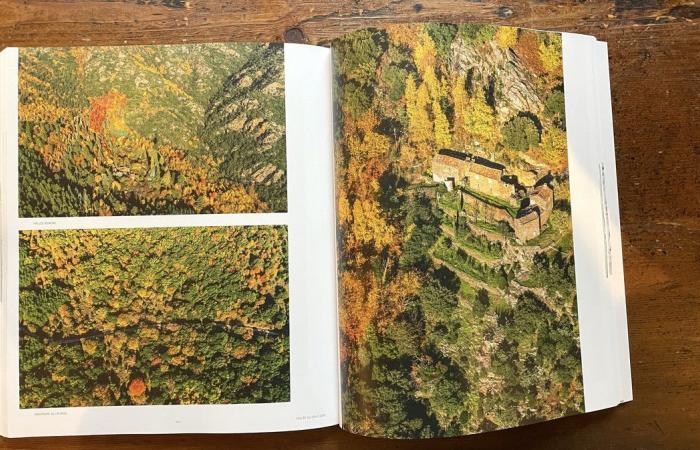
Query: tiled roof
x=448 y=161
x=543 y=192
x=486 y=171
x=479 y=165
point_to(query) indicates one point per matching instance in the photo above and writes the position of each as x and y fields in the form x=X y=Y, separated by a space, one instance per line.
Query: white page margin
x=598 y=325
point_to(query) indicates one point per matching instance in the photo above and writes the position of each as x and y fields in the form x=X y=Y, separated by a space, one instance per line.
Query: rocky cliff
x=500 y=73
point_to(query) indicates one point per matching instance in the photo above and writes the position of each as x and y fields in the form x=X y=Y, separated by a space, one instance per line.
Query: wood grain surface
x=654 y=48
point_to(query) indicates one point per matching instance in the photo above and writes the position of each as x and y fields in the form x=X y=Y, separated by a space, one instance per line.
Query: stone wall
x=528 y=226
x=489 y=186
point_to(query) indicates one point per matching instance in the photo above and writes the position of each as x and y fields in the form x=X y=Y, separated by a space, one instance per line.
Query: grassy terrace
x=495 y=228
x=450 y=206
x=449 y=201
x=479 y=244
x=461 y=261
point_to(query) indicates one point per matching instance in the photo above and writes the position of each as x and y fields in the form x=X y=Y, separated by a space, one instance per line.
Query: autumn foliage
x=433 y=340
x=153 y=316
x=129 y=131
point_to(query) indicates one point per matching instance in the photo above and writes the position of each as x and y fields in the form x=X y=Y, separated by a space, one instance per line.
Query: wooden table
x=655 y=68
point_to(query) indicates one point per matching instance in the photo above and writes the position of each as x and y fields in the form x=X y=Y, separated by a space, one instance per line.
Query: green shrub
x=554 y=108
x=520 y=133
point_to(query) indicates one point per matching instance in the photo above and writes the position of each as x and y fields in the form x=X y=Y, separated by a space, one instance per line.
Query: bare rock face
x=499 y=72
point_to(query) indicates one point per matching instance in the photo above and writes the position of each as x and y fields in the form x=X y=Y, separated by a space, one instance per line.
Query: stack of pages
x=412 y=232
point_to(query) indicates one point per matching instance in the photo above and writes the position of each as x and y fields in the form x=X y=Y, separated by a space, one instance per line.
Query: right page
x=479 y=256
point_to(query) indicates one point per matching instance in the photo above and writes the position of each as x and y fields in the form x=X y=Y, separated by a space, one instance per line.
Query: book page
x=168 y=239
x=602 y=312
x=470 y=234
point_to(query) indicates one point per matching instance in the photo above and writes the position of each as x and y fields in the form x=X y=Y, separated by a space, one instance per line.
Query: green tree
x=153 y=316
x=520 y=133
x=475 y=34
x=356 y=99
x=359 y=54
x=554 y=108
x=394 y=77
x=442 y=34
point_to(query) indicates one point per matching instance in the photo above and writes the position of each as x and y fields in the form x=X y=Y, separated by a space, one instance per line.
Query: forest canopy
x=154 y=316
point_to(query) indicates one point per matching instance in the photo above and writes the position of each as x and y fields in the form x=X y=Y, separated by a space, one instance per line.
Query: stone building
x=542 y=198
x=464 y=169
x=481 y=175
x=527 y=224
x=530 y=219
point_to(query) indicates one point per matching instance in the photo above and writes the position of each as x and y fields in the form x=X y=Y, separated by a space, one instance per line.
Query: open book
x=411 y=233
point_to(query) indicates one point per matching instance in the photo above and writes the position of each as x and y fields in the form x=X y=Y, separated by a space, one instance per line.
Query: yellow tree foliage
x=424 y=155
x=554 y=147
x=551 y=54
x=403 y=34
x=359 y=306
x=410 y=95
x=375 y=145
x=235 y=199
x=479 y=121
x=407 y=157
x=343 y=205
x=369 y=227
x=368 y=157
x=424 y=53
x=420 y=127
x=395 y=296
x=443 y=138
x=367 y=122
x=433 y=84
x=507 y=37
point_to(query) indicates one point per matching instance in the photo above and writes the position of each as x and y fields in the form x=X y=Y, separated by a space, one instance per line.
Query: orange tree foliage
x=107 y=107
x=528 y=50
x=153 y=316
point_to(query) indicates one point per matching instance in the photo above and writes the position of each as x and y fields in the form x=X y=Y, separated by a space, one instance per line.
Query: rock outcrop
x=500 y=71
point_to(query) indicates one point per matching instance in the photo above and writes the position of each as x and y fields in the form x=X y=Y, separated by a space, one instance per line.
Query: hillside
x=153 y=316
x=124 y=130
x=457 y=297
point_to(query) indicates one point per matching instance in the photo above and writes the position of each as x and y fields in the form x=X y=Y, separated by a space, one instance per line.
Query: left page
x=167 y=239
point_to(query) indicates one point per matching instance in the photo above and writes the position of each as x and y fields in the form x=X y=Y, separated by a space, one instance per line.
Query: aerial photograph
x=153 y=316
x=457 y=291
x=152 y=130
